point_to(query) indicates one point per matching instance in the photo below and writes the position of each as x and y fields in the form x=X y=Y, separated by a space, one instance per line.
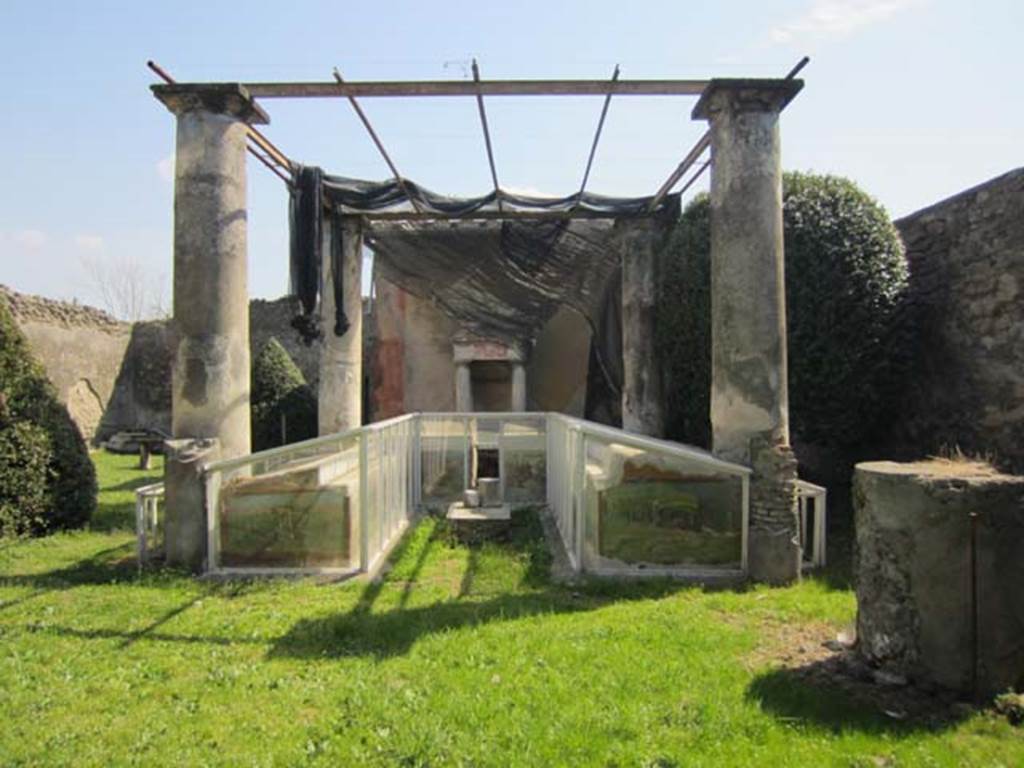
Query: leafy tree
x=280 y=396
x=846 y=282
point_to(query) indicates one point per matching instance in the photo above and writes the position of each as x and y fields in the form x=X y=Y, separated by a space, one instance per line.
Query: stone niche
x=940 y=593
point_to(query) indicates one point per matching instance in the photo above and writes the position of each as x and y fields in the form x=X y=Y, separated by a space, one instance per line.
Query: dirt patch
x=819 y=655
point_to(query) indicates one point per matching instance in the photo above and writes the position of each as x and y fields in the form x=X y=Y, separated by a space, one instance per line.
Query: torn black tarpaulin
x=305 y=219
x=341 y=324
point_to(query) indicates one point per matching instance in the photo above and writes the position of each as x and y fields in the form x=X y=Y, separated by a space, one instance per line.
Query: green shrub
x=280 y=392
x=31 y=412
x=846 y=282
x=25 y=459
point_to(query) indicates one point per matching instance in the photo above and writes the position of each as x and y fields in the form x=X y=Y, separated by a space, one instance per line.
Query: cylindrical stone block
x=210 y=380
x=939 y=573
x=340 y=393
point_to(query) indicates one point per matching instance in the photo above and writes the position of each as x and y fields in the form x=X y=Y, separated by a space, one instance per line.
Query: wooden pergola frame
x=279 y=163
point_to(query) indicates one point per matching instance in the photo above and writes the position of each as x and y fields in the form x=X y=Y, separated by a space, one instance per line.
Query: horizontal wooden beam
x=367 y=89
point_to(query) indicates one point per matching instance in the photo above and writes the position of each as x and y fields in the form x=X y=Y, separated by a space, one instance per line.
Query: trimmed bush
x=280 y=394
x=37 y=430
x=25 y=459
x=846 y=280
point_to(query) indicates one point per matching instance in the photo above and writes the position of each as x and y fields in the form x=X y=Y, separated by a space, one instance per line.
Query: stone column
x=341 y=357
x=210 y=379
x=641 y=374
x=749 y=398
x=463 y=388
x=518 y=387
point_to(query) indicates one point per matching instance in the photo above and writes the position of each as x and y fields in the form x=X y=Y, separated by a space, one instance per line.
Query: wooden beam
x=371 y=89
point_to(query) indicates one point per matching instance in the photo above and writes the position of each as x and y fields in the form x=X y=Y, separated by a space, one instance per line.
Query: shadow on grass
x=119 y=515
x=822 y=695
x=106 y=566
x=360 y=632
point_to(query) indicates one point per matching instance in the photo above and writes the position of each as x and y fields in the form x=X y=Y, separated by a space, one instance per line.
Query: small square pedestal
x=472 y=525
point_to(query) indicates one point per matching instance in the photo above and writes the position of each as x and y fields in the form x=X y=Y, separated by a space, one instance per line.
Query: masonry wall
x=81 y=349
x=411 y=364
x=114 y=375
x=966 y=258
x=412 y=368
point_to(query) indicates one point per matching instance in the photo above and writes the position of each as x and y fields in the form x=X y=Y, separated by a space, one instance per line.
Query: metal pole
x=380 y=146
x=487 y=134
x=597 y=137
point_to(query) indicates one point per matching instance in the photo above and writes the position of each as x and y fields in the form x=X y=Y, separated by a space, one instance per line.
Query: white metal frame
x=574 y=533
x=566 y=442
x=148 y=500
x=812 y=500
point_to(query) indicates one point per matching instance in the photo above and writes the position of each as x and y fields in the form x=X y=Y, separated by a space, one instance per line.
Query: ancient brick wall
x=966 y=258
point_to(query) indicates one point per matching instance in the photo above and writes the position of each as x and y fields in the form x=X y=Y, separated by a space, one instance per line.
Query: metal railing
x=622 y=503
x=149 y=522
x=333 y=505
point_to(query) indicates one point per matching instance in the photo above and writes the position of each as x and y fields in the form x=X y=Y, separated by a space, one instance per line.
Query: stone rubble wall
x=966 y=257
x=81 y=349
x=114 y=375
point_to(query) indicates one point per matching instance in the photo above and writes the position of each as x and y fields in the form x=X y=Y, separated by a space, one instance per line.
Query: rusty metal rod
x=380 y=146
x=972 y=556
x=487 y=135
x=697 y=175
x=597 y=136
x=691 y=157
x=274 y=159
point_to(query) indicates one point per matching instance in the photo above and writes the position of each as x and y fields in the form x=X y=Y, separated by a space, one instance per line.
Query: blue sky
x=913 y=99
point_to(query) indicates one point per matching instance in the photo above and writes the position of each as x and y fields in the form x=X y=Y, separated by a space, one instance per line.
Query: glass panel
x=524 y=462
x=443 y=447
x=297 y=514
x=646 y=508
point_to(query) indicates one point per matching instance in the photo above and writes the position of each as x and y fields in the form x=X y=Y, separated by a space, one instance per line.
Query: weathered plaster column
x=518 y=387
x=210 y=379
x=463 y=388
x=340 y=393
x=641 y=374
x=749 y=398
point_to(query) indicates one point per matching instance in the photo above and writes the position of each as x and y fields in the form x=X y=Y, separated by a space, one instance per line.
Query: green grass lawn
x=458 y=657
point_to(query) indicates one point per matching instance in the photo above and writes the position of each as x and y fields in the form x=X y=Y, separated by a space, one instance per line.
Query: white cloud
x=836 y=18
x=90 y=243
x=165 y=168
x=30 y=239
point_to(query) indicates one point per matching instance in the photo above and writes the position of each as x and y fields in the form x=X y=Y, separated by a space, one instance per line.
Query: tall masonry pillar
x=210 y=379
x=749 y=396
x=641 y=373
x=340 y=394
